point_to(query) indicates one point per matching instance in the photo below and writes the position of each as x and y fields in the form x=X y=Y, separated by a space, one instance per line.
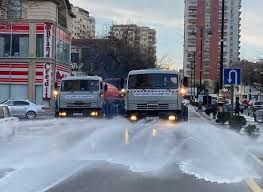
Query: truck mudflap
x=96 y=113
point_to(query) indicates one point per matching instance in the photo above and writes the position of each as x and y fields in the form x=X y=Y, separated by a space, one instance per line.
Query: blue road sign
x=232 y=76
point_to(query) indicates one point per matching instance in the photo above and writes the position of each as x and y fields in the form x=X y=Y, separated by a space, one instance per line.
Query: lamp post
x=222 y=45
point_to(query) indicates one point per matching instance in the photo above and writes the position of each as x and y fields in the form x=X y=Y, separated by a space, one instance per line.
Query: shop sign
x=48 y=40
x=47 y=81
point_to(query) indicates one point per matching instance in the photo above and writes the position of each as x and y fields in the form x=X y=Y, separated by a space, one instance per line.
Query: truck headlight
x=123 y=90
x=94 y=114
x=133 y=118
x=172 y=118
x=183 y=91
x=62 y=114
x=55 y=93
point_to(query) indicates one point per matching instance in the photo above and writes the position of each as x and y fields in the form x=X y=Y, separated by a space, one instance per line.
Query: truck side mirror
x=185 y=81
x=105 y=88
x=122 y=83
x=101 y=85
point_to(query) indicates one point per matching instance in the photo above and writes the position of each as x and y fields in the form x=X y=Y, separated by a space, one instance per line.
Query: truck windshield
x=80 y=85
x=153 y=81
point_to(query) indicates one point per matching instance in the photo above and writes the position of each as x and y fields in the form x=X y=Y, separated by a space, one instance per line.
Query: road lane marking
x=254 y=187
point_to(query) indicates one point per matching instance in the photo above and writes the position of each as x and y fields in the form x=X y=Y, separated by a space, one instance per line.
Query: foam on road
x=46 y=152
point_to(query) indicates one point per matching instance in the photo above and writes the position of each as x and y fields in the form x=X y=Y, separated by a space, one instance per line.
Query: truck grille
x=76 y=104
x=155 y=106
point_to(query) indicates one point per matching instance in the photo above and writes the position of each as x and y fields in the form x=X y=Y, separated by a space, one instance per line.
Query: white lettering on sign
x=79 y=97
x=48 y=40
x=47 y=81
x=155 y=94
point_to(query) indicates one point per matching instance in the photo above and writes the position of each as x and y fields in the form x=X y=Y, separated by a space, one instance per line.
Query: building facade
x=83 y=26
x=202 y=36
x=143 y=37
x=35 y=50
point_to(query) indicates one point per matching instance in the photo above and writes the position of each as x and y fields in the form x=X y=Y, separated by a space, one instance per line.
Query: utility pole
x=222 y=46
x=192 y=77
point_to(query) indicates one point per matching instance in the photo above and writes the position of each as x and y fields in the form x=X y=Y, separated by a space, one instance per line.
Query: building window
x=63 y=52
x=75 y=57
x=40 y=45
x=14 y=45
x=14 y=9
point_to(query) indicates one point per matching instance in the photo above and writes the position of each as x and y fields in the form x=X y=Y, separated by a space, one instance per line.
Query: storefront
x=33 y=56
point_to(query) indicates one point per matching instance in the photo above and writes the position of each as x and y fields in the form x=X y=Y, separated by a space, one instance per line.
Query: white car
x=7 y=122
x=259 y=115
x=24 y=109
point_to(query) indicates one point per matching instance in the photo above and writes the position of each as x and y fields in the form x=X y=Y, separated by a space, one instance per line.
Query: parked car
x=259 y=115
x=257 y=105
x=242 y=108
x=7 y=122
x=24 y=109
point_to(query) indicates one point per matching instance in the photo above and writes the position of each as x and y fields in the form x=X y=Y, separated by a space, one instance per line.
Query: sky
x=167 y=17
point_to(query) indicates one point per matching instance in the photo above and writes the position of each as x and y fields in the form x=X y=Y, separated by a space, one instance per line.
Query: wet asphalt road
x=104 y=177
x=87 y=155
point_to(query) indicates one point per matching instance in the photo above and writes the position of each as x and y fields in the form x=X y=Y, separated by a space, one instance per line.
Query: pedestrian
x=237 y=106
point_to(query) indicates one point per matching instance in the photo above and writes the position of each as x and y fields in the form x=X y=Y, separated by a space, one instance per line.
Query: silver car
x=24 y=109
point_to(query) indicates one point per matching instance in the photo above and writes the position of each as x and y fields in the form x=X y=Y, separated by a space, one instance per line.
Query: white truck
x=80 y=96
x=155 y=93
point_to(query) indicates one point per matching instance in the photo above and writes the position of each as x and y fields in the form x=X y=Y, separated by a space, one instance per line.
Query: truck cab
x=155 y=93
x=80 y=96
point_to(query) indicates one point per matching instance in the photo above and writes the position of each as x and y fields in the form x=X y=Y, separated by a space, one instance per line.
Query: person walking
x=237 y=106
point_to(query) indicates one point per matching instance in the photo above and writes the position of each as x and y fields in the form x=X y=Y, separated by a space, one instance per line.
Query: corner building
x=35 y=43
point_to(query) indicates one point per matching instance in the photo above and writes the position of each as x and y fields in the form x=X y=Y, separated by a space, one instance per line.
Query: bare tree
x=164 y=61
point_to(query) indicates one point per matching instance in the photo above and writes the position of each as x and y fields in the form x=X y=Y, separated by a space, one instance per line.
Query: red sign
x=62 y=35
x=21 y=28
x=40 y=28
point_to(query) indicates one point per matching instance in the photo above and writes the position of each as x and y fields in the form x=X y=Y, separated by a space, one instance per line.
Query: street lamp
x=222 y=45
x=201 y=33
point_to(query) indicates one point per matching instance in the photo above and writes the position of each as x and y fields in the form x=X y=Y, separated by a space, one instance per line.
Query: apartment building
x=83 y=26
x=202 y=36
x=35 y=43
x=143 y=37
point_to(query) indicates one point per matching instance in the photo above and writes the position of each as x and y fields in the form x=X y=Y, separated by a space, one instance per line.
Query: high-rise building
x=83 y=26
x=202 y=38
x=143 y=37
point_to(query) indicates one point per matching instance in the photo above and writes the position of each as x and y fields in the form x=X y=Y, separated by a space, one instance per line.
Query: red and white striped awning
x=14 y=73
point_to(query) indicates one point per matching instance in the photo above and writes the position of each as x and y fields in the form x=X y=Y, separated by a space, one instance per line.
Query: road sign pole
x=232 y=99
